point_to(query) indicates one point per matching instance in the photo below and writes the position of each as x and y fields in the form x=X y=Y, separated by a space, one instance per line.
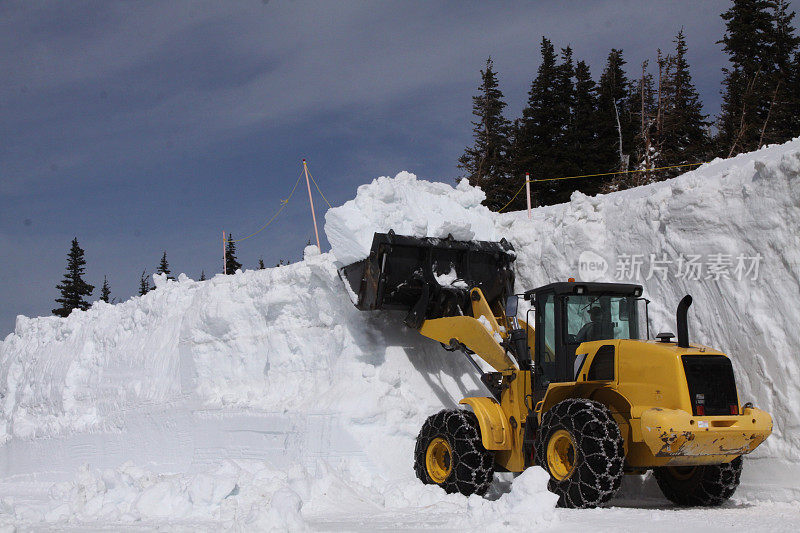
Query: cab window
x=594 y=318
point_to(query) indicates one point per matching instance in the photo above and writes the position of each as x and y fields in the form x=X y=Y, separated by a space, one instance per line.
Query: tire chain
x=598 y=471
x=473 y=465
x=709 y=486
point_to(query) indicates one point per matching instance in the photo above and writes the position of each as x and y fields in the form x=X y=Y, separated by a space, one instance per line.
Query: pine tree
x=565 y=105
x=105 y=291
x=72 y=287
x=484 y=163
x=583 y=134
x=202 y=275
x=793 y=82
x=614 y=125
x=144 y=284
x=564 y=161
x=231 y=264
x=747 y=90
x=261 y=263
x=540 y=129
x=783 y=114
x=163 y=267
x=684 y=137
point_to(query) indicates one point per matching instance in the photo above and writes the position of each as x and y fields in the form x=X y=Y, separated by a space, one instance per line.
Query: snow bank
x=130 y=493
x=274 y=365
x=254 y=496
x=742 y=209
x=737 y=219
x=282 y=340
x=271 y=381
x=250 y=494
x=409 y=207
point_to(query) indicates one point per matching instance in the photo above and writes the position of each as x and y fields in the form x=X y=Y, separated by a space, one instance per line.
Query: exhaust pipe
x=683 y=329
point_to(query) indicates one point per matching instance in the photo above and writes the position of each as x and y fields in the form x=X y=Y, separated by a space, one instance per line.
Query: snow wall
x=316 y=384
x=736 y=220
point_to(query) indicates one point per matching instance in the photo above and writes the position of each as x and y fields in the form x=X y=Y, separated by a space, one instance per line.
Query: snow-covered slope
x=729 y=214
x=409 y=207
x=285 y=340
x=266 y=398
x=737 y=220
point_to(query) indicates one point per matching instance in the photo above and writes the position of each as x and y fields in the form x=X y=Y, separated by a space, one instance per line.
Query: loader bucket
x=429 y=277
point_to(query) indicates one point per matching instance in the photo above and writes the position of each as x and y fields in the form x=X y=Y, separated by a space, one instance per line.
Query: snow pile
x=130 y=493
x=254 y=496
x=251 y=494
x=738 y=220
x=282 y=340
x=450 y=278
x=728 y=233
x=70 y=374
x=527 y=505
x=409 y=207
x=265 y=399
x=273 y=365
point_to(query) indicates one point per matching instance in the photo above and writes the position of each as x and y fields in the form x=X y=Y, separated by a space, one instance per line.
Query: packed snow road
x=247 y=493
x=265 y=400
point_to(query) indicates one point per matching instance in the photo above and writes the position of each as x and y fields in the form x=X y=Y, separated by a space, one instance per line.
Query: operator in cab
x=592 y=330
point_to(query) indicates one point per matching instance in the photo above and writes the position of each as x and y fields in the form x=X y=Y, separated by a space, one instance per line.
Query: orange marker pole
x=528 y=190
x=311 y=201
x=224 y=255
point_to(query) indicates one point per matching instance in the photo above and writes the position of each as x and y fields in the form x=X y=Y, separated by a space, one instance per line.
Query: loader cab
x=569 y=313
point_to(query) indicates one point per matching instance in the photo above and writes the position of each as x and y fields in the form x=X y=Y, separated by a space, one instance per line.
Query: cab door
x=547 y=367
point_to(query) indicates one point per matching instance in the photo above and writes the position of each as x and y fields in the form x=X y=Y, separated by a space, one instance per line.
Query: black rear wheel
x=580 y=446
x=705 y=485
x=449 y=453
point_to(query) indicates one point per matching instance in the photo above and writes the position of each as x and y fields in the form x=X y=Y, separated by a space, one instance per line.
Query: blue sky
x=148 y=126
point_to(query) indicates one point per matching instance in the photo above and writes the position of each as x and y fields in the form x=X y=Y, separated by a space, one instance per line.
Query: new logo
x=591 y=266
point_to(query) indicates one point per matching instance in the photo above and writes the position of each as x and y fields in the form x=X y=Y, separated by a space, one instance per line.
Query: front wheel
x=706 y=485
x=449 y=453
x=580 y=445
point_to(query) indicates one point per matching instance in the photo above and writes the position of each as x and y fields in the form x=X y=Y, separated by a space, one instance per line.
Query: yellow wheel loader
x=577 y=386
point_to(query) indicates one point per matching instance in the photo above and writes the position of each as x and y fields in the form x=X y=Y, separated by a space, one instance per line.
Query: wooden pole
x=311 y=201
x=528 y=191
x=224 y=255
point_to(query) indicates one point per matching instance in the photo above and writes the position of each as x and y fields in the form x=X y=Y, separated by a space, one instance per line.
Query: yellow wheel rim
x=562 y=454
x=682 y=472
x=439 y=460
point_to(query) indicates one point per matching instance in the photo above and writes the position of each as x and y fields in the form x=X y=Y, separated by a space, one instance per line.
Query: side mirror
x=511 y=306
